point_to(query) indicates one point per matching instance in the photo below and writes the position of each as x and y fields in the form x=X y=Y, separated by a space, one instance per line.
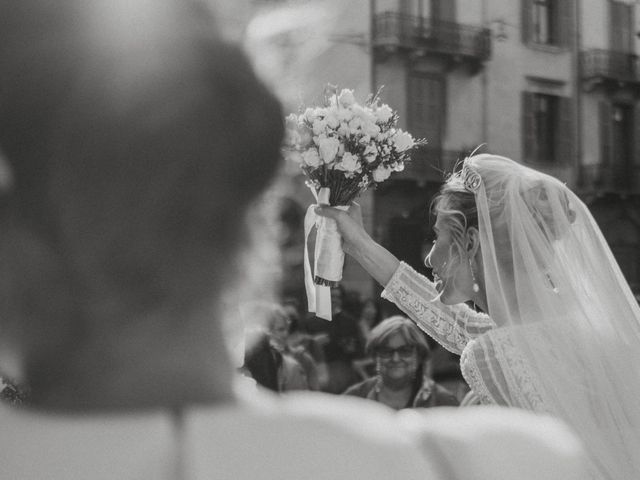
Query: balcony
x=393 y=32
x=609 y=69
x=429 y=164
x=602 y=179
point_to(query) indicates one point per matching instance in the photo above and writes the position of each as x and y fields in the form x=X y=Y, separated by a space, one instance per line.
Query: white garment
x=298 y=436
x=490 y=361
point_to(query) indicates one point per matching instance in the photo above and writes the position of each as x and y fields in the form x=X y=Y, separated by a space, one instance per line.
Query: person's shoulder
x=306 y=434
x=497 y=442
x=100 y=446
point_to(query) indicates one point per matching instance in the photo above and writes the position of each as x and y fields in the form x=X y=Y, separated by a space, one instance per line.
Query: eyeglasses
x=405 y=351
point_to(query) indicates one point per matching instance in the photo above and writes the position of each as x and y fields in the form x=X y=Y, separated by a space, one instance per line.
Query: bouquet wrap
x=328 y=258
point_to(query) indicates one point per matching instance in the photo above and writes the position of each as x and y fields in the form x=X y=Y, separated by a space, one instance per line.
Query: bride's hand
x=349 y=224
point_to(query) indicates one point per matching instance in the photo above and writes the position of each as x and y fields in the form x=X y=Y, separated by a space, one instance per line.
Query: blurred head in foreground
x=135 y=142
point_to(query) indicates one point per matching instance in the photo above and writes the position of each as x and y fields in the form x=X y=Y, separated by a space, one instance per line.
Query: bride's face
x=451 y=272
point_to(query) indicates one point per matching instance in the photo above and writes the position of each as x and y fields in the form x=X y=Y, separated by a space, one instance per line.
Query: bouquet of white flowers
x=343 y=149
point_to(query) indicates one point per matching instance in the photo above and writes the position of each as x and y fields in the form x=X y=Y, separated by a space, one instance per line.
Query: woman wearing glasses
x=400 y=353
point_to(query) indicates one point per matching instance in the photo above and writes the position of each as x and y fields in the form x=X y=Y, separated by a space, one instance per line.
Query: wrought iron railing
x=611 y=65
x=394 y=29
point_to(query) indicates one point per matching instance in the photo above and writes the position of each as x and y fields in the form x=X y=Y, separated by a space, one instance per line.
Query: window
x=542 y=22
x=547 y=22
x=621 y=27
x=547 y=128
x=426 y=102
x=619 y=143
x=545 y=113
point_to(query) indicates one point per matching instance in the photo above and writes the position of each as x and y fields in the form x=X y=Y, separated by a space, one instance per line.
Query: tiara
x=470 y=178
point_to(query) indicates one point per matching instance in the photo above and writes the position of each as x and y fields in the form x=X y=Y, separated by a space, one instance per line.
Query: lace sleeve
x=450 y=325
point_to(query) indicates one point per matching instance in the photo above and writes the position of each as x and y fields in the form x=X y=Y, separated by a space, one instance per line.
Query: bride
x=561 y=333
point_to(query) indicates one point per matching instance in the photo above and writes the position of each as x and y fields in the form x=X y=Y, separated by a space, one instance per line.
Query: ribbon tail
x=309 y=285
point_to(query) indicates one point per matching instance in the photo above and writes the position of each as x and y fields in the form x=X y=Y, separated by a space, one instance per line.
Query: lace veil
x=554 y=287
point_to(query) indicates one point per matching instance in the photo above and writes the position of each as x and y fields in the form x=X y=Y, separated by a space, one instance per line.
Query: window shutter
x=447 y=10
x=525 y=27
x=528 y=128
x=564 y=147
x=605 y=134
x=621 y=26
x=565 y=24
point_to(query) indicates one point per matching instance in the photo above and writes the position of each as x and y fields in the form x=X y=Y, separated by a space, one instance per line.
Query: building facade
x=553 y=84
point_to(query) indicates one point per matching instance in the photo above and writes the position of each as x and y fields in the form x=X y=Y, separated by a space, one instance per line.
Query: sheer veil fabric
x=559 y=298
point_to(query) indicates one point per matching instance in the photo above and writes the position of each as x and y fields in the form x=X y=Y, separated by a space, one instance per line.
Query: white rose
x=359 y=111
x=328 y=149
x=343 y=129
x=346 y=98
x=354 y=125
x=344 y=114
x=332 y=120
x=383 y=113
x=349 y=163
x=403 y=141
x=380 y=174
x=371 y=129
x=309 y=115
x=319 y=126
x=369 y=117
x=311 y=158
x=364 y=140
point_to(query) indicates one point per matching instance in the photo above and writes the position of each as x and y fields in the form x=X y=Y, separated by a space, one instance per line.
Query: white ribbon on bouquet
x=328 y=256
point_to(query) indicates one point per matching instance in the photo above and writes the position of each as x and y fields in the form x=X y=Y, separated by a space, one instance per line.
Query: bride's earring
x=475 y=287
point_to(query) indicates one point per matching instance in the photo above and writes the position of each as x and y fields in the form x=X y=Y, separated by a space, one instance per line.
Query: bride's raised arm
x=450 y=325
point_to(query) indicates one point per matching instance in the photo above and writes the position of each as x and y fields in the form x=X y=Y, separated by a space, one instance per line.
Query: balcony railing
x=429 y=164
x=599 y=66
x=424 y=35
x=620 y=179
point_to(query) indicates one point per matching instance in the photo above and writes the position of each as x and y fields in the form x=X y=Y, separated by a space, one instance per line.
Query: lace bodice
x=490 y=362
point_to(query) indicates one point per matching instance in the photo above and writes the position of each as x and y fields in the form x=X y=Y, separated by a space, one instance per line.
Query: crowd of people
x=139 y=143
x=356 y=353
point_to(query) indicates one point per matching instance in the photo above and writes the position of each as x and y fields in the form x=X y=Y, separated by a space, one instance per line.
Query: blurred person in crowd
x=268 y=357
x=343 y=346
x=303 y=347
x=262 y=362
x=401 y=353
x=369 y=316
x=11 y=393
x=138 y=143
